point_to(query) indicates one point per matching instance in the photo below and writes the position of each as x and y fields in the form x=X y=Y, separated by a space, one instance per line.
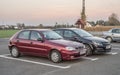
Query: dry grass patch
x=101 y=28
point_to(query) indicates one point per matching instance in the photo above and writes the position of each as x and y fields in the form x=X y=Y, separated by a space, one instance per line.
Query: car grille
x=79 y=48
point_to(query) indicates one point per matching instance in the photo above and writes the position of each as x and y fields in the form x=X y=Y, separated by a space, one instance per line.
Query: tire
x=109 y=39
x=55 y=56
x=14 y=52
x=89 y=51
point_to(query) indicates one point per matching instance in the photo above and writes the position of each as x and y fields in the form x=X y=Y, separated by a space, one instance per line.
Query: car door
x=116 y=34
x=37 y=46
x=23 y=42
x=70 y=35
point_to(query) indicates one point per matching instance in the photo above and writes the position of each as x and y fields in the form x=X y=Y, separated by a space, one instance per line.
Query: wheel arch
x=110 y=37
x=89 y=45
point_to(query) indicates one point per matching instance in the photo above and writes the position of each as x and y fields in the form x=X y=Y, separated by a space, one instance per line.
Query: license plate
x=108 y=47
x=83 y=51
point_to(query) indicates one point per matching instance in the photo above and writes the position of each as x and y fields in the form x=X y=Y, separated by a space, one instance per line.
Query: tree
x=21 y=25
x=113 y=20
x=40 y=25
x=83 y=15
x=92 y=23
x=100 y=22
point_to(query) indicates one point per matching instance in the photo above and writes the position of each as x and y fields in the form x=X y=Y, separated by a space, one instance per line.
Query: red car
x=46 y=43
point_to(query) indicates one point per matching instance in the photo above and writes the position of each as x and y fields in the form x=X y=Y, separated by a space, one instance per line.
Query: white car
x=112 y=35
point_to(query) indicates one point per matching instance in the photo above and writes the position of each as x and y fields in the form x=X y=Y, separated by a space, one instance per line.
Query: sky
x=48 y=12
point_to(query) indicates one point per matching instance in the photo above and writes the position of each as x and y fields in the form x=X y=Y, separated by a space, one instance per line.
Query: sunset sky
x=47 y=12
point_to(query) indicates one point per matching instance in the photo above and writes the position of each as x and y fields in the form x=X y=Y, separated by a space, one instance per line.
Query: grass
x=7 y=33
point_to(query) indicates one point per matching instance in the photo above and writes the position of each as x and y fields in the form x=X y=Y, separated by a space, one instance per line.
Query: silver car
x=112 y=35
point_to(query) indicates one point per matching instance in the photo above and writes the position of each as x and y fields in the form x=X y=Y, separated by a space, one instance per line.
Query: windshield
x=51 y=35
x=82 y=33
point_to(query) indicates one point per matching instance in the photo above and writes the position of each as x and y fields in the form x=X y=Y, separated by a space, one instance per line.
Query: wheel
x=14 y=52
x=55 y=56
x=109 y=39
x=89 y=50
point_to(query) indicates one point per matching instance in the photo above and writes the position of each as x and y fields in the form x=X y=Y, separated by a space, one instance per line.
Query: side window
x=69 y=34
x=115 y=31
x=24 y=35
x=119 y=31
x=35 y=35
x=59 y=32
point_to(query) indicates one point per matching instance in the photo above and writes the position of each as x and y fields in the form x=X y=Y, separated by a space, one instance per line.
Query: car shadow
x=48 y=61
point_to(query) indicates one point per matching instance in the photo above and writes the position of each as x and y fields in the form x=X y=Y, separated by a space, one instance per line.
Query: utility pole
x=83 y=16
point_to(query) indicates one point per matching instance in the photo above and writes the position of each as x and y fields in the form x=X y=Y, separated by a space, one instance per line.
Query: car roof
x=66 y=28
x=37 y=29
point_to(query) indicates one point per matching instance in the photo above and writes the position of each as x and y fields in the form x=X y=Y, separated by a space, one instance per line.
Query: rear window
x=24 y=35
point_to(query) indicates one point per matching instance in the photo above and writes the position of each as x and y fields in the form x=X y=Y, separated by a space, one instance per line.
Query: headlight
x=98 y=43
x=70 y=48
x=83 y=46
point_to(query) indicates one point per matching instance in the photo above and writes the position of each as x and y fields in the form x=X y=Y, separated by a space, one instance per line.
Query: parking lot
x=99 y=64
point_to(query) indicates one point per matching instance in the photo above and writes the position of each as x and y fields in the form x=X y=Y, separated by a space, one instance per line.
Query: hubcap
x=14 y=52
x=54 y=57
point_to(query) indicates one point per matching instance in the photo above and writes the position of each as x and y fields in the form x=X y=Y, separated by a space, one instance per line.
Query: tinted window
x=68 y=33
x=82 y=33
x=59 y=32
x=24 y=35
x=35 y=35
x=116 y=30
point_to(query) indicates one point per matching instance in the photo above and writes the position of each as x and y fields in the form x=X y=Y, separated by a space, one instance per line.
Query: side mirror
x=77 y=39
x=40 y=39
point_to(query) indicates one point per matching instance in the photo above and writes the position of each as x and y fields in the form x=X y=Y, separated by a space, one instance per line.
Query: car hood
x=66 y=43
x=96 y=39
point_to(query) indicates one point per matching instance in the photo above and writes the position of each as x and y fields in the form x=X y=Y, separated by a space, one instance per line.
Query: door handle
x=31 y=42
x=17 y=40
x=112 y=34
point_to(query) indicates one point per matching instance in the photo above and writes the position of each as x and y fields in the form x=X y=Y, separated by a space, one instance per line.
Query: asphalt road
x=101 y=64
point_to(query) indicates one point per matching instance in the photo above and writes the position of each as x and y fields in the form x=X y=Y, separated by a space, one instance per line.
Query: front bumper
x=70 y=55
x=103 y=49
x=9 y=46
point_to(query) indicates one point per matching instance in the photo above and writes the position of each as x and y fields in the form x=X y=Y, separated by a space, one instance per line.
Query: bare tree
x=113 y=19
